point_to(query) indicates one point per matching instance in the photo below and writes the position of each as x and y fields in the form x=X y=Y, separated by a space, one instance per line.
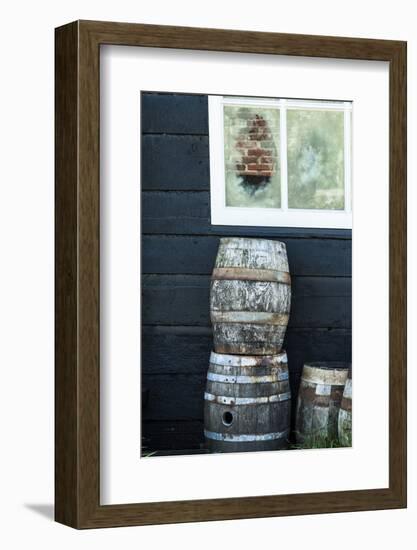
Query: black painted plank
x=184 y=300
x=188 y=213
x=318 y=311
x=173 y=163
x=178 y=254
x=176 y=349
x=175 y=300
x=177 y=212
x=186 y=349
x=174 y=114
x=196 y=255
x=174 y=396
x=172 y=435
x=321 y=287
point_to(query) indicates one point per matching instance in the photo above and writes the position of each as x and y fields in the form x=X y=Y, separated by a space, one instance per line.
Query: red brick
x=260 y=167
x=255 y=152
x=249 y=173
x=264 y=173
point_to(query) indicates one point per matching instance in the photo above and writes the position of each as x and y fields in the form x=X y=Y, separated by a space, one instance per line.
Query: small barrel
x=345 y=415
x=319 y=399
x=250 y=296
x=247 y=403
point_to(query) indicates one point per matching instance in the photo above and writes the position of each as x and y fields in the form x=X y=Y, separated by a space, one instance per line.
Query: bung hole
x=227 y=418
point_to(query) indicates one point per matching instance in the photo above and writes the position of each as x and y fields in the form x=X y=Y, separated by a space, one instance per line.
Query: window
x=280 y=162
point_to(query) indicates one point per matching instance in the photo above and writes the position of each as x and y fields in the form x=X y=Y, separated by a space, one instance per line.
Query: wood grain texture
x=398 y=272
x=66 y=233
x=77 y=269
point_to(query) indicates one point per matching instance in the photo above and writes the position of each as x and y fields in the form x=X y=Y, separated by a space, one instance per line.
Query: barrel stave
x=246 y=390
x=248 y=338
x=251 y=296
x=345 y=416
x=250 y=419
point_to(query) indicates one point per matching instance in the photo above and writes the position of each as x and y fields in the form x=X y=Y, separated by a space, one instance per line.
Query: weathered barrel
x=247 y=403
x=250 y=296
x=319 y=398
x=345 y=415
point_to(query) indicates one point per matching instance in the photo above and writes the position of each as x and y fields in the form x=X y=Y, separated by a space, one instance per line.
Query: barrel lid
x=329 y=365
x=325 y=372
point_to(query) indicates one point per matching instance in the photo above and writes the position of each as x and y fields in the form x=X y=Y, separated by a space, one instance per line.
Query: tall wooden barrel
x=319 y=399
x=250 y=296
x=345 y=415
x=247 y=403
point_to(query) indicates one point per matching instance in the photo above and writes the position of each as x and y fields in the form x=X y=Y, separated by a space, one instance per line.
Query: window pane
x=251 y=148
x=315 y=159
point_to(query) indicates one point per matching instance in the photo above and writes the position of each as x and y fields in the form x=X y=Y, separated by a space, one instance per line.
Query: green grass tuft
x=317 y=441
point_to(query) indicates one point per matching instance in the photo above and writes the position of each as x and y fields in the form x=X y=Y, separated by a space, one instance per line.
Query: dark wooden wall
x=179 y=246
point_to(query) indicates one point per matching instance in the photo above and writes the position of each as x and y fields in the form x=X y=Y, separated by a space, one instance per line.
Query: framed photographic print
x=230 y=274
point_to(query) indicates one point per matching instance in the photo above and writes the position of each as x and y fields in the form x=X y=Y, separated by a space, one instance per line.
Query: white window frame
x=274 y=217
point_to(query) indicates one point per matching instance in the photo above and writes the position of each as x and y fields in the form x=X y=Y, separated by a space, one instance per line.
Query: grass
x=317 y=441
x=147 y=454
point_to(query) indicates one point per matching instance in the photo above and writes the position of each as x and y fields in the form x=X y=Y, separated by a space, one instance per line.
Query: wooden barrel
x=319 y=398
x=345 y=415
x=247 y=403
x=250 y=296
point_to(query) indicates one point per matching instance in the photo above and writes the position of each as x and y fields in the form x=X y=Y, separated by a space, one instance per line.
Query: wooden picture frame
x=77 y=384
